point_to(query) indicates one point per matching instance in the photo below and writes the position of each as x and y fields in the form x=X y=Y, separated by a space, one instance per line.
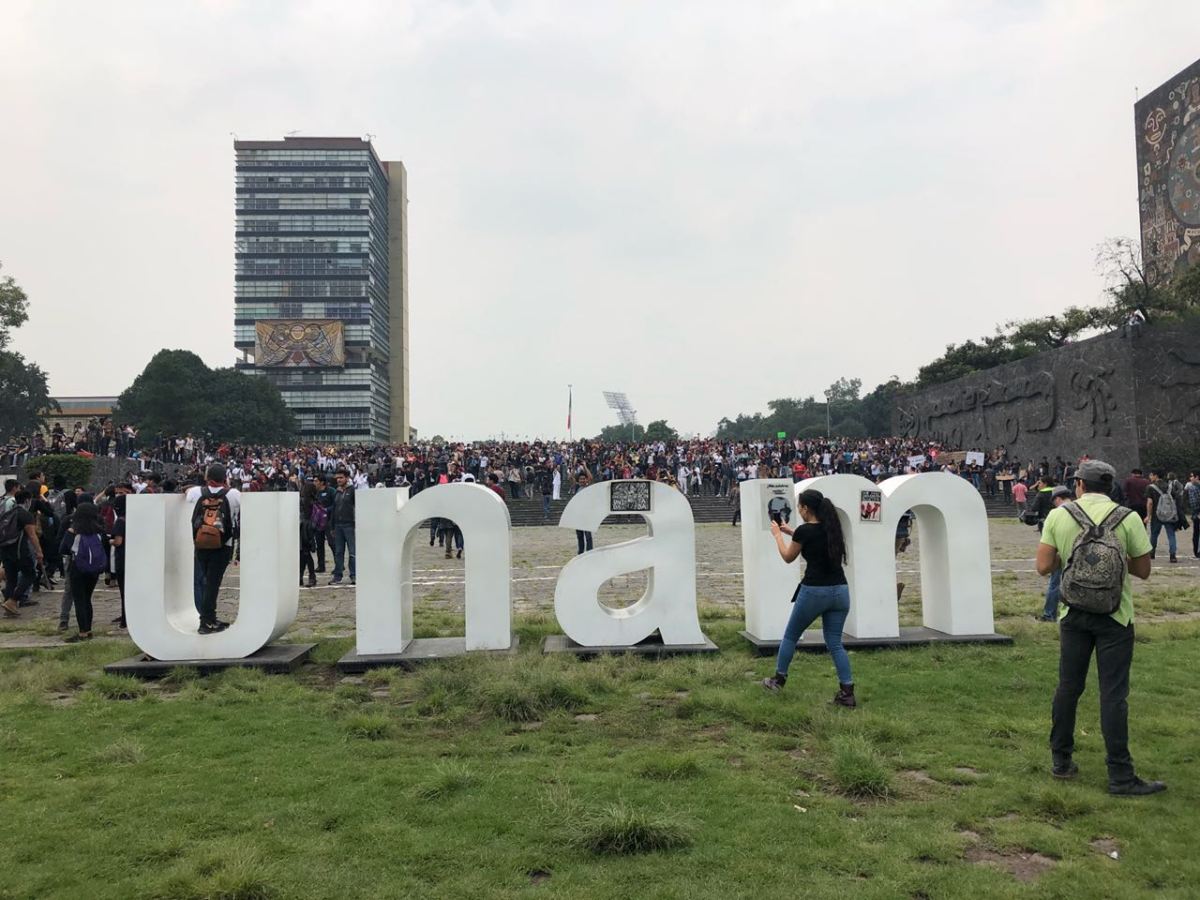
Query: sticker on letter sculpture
x=668 y=552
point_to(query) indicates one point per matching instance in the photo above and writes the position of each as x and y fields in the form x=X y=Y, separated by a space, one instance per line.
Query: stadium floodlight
x=625 y=413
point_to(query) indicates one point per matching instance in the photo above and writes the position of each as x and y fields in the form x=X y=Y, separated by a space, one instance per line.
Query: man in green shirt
x=1109 y=636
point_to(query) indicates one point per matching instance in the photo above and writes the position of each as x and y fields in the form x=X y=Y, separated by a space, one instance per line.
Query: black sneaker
x=1064 y=770
x=206 y=628
x=352 y=581
x=25 y=603
x=336 y=579
x=772 y=684
x=220 y=626
x=1136 y=788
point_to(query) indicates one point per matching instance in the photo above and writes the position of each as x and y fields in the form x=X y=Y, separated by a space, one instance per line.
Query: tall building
x=321 y=284
x=1168 y=155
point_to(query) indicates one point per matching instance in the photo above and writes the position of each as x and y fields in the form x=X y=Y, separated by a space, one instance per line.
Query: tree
x=659 y=430
x=621 y=434
x=178 y=394
x=24 y=390
x=850 y=428
x=1051 y=332
x=844 y=390
x=1129 y=285
x=876 y=408
x=24 y=396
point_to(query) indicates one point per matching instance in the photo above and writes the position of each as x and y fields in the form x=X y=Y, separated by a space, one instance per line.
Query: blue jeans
x=1156 y=527
x=545 y=506
x=1053 y=593
x=832 y=604
x=343 y=537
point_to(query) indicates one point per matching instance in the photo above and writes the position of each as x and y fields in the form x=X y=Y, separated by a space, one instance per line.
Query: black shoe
x=220 y=626
x=774 y=684
x=1064 y=770
x=321 y=570
x=460 y=554
x=25 y=603
x=1045 y=618
x=205 y=628
x=63 y=626
x=1136 y=788
x=312 y=582
x=1173 y=559
x=336 y=579
x=352 y=581
x=78 y=637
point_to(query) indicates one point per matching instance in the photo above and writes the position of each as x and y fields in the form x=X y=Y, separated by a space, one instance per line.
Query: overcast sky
x=706 y=205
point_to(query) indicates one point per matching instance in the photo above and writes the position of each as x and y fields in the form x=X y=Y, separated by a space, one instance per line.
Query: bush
x=850 y=428
x=1179 y=458
x=448 y=778
x=670 y=767
x=369 y=726
x=118 y=687
x=858 y=769
x=619 y=830
x=77 y=470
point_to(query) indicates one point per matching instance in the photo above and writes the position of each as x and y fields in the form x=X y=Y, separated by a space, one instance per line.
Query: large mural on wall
x=299 y=343
x=1168 y=156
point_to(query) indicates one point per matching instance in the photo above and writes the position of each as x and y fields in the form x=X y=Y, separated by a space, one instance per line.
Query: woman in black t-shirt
x=823 y=591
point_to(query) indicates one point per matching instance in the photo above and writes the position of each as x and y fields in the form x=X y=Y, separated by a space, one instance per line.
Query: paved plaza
x=538 y=553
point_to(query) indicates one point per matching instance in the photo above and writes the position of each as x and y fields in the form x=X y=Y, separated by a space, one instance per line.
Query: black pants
x=1196 y=536
x=319 y=540
x=82 y=586
x=584 y=539
x=1080 y=634
x=121 y=588
x=737 y=515
x=20 y=569
x=214 y=563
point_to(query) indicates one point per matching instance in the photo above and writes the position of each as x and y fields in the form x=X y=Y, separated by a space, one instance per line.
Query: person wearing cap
x=1058 y=496
x=1082 y=633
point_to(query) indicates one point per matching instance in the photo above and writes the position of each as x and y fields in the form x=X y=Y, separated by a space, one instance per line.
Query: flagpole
x=570 y=438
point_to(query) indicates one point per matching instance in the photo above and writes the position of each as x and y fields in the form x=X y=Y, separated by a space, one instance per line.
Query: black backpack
x=10 y=530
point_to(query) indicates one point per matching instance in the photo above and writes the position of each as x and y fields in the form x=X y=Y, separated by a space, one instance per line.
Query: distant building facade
x=74 y=411
x=321 y=284
x=1168 y=156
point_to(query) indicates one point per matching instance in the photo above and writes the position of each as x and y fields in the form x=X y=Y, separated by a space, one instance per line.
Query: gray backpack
x=1165 y=509
x=1094 y=576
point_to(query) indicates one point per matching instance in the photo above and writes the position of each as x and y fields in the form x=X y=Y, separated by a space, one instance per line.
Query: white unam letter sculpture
x=160 y=606
x=668 y=552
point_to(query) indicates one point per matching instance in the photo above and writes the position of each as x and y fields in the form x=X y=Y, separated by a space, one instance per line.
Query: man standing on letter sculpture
x=215 y=512
x=1098 y=545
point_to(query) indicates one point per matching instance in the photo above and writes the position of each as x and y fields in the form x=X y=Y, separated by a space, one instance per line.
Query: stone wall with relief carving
x=1067 y=402
x=1167 y=363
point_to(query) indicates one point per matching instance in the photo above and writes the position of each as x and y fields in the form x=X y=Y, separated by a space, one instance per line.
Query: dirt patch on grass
x=1025 y=867
x=1107 y=846
x=918 y=777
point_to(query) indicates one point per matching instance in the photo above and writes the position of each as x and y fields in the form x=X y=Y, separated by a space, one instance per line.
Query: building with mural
x=1168 y=156
x=321 y=283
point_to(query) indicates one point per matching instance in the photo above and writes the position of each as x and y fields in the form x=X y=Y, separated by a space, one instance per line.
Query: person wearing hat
x=1083 y=633
x=1058 y=496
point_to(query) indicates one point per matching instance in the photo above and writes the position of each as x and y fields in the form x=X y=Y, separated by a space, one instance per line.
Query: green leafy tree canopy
x=24 y=388
x=178 y=394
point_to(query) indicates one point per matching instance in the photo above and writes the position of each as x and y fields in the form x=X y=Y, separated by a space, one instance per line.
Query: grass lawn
x=615 y=777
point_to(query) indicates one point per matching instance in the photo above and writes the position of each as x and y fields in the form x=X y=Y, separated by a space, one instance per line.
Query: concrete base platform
x=418 y=651
x=273 y=658
x=651 y=646
x=917 y=636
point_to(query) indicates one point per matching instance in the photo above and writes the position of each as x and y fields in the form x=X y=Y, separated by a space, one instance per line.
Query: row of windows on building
x=303 y=201
x=297 y=245
x=303 y=310
x=329 y=224
x=303 y=181
x=256 y=266
x=301 y=289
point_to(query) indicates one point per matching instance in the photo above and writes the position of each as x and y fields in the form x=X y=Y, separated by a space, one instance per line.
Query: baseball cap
x=1061 y=491
x=1094 y=470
